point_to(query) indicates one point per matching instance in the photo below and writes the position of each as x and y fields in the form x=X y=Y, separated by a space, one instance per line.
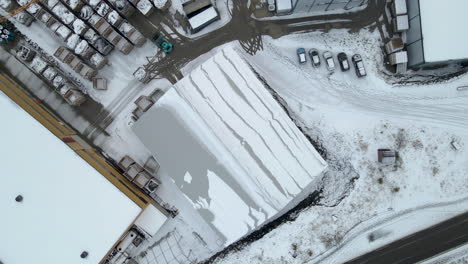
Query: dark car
x=314 y=57
x=359 y=65
x=343 y=60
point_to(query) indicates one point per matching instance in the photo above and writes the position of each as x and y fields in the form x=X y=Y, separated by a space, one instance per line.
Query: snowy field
x=352 y=118
x=229 y=146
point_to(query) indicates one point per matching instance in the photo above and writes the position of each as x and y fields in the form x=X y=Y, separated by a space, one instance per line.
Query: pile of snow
x=38 y=64
x=96 y=59
x=160 y=3
x=91 y=36
x=62 y=31
x=229 y=146
x=72 y=41
x=51 y=3
x=6 y=4
x=33 y=9
x=82 y=48
x=64 y=14
x=86 y=12
x=79 y=27
x=58 y=81
x=145 y=7
x=114 y=18
x=50 y=73
x=94 y=3
x=103 y=9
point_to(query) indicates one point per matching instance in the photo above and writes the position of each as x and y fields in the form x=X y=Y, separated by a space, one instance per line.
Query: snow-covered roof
x=68 y=206
x=229 y=146
x=283 y=6
x=444 y=26
x=400 y=7
x=203 y=17
x=399 y=57
x=151 y=220
x=402 y=23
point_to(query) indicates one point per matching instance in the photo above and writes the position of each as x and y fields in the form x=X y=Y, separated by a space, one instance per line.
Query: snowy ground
x=352 y=118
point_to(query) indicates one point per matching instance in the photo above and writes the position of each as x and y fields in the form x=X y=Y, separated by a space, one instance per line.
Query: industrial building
x=437 y=32
x=57 y=190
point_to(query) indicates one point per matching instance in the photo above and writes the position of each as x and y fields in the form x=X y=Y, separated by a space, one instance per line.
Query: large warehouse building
x=437 y=32
x=55 y=207
x=230 y=147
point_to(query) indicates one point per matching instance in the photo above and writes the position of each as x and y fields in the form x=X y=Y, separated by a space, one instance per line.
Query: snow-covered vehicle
x=343 y=61
x=328 y=56
x=301 y=54
x=271 y=5
x=359 y=65
x=314 y=57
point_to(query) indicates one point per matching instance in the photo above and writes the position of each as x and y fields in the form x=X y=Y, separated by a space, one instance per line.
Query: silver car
x=328 y=57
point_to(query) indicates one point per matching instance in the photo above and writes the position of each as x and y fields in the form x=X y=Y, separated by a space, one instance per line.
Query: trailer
x=200 y=13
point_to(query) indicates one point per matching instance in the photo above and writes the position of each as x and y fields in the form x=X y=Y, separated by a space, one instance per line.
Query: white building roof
x=444 y=27
x=283 y=6
x=151 y=220
x=229 y=146
x=203 y=17
x=68 y=206
x=398 y=57
x=402 y=23
x=400 y=7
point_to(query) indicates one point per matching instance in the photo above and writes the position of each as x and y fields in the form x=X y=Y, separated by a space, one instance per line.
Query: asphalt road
x=421 y=245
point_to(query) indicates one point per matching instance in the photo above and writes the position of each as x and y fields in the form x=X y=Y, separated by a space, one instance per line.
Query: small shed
x=200 y=13
x=142 y=179
x=283 y=7
x=100 y=83
x=133 y=171
x=125 y=163
x=401 y=23
x=144 y=103
x=394 y=45
x=25 y=53
x=142 y=75
x=72 y=96
x=386 y=156
x=400 y=60
x=399 y=7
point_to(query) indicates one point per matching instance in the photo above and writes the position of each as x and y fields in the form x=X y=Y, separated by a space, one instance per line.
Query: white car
x=328 y=57
x=301 y=54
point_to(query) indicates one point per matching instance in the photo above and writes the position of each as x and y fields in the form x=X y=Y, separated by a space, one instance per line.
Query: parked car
x=359 y=65
x=328 y=56
x=314 y=57
x=271 y=5
x=301 y=54
x=343 y=60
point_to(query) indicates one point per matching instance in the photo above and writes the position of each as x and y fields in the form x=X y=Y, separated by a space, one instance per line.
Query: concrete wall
x=414 y=35
x=308 y=6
